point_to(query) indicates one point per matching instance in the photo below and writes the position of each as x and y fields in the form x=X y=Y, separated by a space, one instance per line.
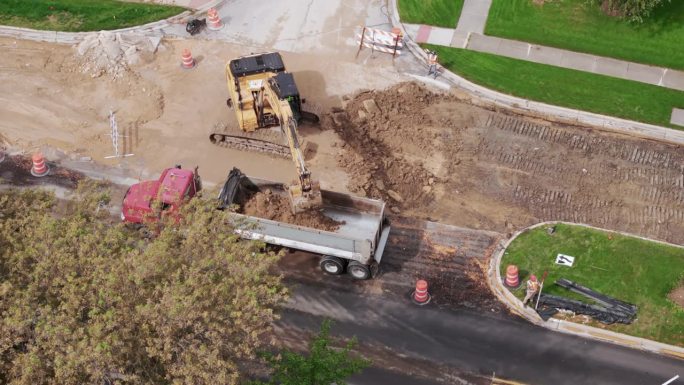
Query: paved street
x=475 y=342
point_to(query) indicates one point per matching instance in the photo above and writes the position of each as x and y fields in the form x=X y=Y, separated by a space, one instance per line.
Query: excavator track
x=263 y=140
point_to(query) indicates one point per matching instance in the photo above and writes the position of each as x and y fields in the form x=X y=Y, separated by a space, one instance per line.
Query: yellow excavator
x=268 y=109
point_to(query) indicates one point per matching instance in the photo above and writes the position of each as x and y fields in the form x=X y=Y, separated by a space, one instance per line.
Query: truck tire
x=358 y=270
x=332 y=265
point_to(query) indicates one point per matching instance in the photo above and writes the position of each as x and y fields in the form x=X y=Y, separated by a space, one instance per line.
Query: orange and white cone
x=214 y=19
x=421 y=296
x=40 y=168
x=512 y=280
x=187 y=61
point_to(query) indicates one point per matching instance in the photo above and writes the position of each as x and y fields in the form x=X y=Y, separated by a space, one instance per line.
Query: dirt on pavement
x=15 y=171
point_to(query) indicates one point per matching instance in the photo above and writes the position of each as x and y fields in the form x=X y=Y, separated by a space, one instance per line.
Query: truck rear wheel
x=358 y=270
x=332 y=265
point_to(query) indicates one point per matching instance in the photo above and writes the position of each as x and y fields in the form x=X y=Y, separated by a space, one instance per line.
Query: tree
x=324 y=364
x=87 y=301
x=633 y=10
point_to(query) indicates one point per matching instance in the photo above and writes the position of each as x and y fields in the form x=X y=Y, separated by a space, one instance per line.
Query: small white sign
x=255 y=84
x=565 y=260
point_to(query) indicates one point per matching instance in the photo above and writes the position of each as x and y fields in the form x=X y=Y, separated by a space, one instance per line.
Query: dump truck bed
x=361 y=236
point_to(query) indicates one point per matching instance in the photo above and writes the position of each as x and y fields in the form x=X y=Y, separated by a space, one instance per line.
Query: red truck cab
x=147 y=201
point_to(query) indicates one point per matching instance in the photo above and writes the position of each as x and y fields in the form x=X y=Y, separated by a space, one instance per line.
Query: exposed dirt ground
x=677 y=296
x=164 y=113
x=432 y=156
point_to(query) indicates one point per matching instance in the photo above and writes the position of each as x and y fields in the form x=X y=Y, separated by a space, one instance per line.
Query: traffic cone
x=215 y=23
x=421 y=296
x=512 y=279
x=187 y=60
x=40 y=168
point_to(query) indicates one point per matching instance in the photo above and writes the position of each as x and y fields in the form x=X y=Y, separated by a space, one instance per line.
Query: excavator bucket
x=303 y=201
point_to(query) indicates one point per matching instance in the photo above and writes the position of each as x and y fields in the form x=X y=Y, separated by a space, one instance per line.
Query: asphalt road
x=466 y=341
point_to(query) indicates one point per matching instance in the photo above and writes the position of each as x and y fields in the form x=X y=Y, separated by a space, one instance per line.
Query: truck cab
x=148 y=201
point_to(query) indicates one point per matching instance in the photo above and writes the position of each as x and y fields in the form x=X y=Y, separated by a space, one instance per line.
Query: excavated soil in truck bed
x=269 y=205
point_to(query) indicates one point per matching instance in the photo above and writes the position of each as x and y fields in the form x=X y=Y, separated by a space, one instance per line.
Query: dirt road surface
x=433 y=156
x=164 y=113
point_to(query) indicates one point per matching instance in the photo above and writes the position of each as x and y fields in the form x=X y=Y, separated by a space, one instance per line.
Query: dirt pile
x=394 y=145
x=113 y=53
x=276 y=207
x=397 y=141
x=433 y=156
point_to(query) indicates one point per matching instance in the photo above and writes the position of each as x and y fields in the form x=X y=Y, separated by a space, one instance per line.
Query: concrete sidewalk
x=475 y=41
x=494 y=99
x=469 y=34
x=473 y=19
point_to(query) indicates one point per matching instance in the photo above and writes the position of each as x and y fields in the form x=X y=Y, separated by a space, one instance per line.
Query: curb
x=490 y=99
x=154 y=28
x=516 y=306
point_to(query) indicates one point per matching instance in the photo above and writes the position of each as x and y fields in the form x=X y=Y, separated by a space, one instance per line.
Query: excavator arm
x=305 y=193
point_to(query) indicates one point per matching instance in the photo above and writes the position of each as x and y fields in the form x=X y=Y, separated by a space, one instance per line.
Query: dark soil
x=16 y=171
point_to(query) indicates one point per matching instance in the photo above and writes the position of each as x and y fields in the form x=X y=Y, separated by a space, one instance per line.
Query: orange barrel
x=214 y=20
x=420 y=295
x=187 y=60
x=40 y=168
x=512 y=279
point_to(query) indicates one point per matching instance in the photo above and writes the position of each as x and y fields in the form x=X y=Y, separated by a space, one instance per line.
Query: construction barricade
x=381 y=41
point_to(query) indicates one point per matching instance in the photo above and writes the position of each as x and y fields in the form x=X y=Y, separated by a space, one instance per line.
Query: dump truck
x=355 y=247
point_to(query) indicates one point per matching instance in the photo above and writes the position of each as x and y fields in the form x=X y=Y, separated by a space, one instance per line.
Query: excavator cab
x=284 y=86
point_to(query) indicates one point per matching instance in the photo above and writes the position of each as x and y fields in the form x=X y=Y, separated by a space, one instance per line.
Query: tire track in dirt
x=614 y=182
x=501 y=172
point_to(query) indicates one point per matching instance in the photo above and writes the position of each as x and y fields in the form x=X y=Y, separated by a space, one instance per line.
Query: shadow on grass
x=666 y=18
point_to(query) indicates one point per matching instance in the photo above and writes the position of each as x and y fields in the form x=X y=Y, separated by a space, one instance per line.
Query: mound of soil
x=113 y=53
x=276 y=207
x=394 y=143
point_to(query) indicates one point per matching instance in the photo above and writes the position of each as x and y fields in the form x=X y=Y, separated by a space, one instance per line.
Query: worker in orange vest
x=532 y=288
x=432 y=63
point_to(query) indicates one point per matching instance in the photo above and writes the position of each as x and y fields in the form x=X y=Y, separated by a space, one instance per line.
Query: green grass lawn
x=81 y=15
x=563 y=87
x=630 y=269
x=579 y=26
x=440 y=13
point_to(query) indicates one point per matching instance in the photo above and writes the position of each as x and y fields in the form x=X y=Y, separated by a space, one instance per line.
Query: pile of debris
x=388 y=144
x=112 y=53
x=608 y=310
